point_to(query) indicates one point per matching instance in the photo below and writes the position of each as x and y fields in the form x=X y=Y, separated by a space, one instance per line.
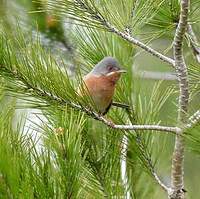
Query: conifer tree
x=54 y=144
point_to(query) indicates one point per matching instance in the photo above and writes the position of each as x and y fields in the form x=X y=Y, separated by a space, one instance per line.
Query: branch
x=156 y=75
x=177 y=183
x=147 y=158
x=150 y=165
x=158 y=180
x=49 y=97
x=97 y=16
x=194 y=119
x=96 y=116
x=194 y=42
x=163 y=129
x=126 y=36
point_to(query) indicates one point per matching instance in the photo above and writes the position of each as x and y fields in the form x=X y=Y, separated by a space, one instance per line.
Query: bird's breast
x=101 y=89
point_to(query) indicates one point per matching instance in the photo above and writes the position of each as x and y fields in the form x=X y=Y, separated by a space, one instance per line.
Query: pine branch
x=150 y=166
x=147 y=159
x=124 y=166
x=85 y=13
x=163 y=129
x=126 y=36
x=177 y=183
x=57 y=99
x=158 y=180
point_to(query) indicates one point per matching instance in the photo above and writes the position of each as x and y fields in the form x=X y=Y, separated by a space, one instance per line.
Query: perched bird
x=101 y=82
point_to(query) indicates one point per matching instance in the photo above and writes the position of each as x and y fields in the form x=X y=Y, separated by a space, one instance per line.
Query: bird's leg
x=111 y=123
x=121 y=105
x=108 y=120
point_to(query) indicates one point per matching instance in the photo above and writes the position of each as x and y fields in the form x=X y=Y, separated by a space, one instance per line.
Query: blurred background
x=74 y=48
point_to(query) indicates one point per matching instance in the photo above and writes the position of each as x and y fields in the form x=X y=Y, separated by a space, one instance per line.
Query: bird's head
x=109 y=67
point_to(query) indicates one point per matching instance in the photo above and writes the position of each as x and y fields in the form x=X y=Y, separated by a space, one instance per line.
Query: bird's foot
x=110 y=122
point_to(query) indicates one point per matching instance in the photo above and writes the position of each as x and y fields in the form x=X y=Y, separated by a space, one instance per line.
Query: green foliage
x=193 y=142
x=194 y=71
x=132 y=14
x=80 y=157
x=91 y=148
x=93 y=45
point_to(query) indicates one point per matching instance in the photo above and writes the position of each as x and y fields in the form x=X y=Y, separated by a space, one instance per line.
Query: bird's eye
x=110 y=68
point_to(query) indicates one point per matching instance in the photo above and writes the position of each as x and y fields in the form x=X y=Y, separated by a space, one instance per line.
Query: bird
x=100 y=83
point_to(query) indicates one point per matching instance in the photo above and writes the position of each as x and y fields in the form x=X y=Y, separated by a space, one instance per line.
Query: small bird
x=101 y=82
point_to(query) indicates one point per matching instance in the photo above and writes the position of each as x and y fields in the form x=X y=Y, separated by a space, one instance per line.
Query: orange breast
x=101 y=89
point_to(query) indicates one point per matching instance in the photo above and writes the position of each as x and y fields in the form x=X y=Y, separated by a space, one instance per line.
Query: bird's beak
x=116 y=72
x=121 y=71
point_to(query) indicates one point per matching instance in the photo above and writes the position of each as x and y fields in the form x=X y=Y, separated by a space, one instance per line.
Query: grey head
x=105 y=66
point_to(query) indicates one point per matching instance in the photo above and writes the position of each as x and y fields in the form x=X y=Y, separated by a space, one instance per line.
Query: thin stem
x=158 y=180
x=138 y=43
x=164 y=129
x=147 y=158
x=121 y=105
x=177 y=183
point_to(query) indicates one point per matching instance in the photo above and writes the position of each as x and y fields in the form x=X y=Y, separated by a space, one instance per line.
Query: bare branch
x=138 y=43
x=194 y=42
x=181 y=70
x=164 y=129
x=194 y=119
x=96 y=116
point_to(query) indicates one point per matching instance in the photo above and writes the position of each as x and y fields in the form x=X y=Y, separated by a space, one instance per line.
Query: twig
x=138 y=43
x=194 y=119
x=177 y=183
x=147 y=158
x=165 y=129
x=150 y=165
x=194 y=42
x=96 y=15
x=163 y=186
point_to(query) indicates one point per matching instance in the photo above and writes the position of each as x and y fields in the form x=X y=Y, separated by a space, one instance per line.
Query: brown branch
x=177 y=181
